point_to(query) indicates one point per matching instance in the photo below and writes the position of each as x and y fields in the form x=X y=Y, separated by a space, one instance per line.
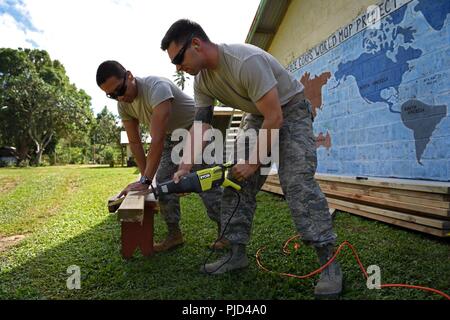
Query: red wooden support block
x=137 y=234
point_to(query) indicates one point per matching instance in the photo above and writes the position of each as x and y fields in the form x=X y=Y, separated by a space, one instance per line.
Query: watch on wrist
x=145 y=180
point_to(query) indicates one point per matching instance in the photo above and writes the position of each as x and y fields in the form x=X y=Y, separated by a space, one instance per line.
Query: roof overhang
x=267 y=20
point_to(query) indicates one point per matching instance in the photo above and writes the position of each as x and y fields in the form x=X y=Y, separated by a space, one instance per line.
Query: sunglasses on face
x=119 y=91
x=178 y=59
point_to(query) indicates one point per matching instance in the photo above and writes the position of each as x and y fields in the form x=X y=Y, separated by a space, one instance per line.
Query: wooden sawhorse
x=136 y=216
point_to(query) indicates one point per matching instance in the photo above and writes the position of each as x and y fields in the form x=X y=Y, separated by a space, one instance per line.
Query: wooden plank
x=273 y=189
x=269 y=181
x=114 y=203
x=401 y=184
x=389 y=203
x=273 y=179
x=390 y=191
x=421 y=198
x=425 y=201
x=405 y=184
x=223 y=112
x=277 y=190
x=132 y=206
x=276 y=186
x=397 y=222
x=414 y=209
x=435 y=223
x=432 y=207
x=400 y=223
x=409 y=195
x=413 y=205
x=388 y=194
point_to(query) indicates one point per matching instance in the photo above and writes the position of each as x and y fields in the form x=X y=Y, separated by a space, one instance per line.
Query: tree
x=106 y=131
x=40 y=102
x=180 y=79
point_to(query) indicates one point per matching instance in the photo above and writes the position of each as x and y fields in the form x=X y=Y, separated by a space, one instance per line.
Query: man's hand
x=182 y=171
x=135 y=186
x=177 y=177
x=243 y=170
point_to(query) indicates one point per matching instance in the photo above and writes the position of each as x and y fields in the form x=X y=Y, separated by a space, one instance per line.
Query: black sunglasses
x=178 y=59
x=120 y=91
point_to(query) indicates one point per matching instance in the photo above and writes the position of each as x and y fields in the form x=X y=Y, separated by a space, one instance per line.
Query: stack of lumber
x=418 y=205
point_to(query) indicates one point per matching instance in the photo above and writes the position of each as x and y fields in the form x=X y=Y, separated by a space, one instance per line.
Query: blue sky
x=18 y=11
x=83 y=33
x=21 y=17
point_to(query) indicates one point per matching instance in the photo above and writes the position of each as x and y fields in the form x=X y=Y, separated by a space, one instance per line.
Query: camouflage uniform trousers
x=298 y=163
x=170 y=204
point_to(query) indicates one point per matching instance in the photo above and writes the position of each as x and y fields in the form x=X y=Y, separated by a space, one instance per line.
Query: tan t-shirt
x=151 y=92
x=244 y=75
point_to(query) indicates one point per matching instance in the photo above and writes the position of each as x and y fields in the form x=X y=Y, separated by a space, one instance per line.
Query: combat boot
x=330 y=282
x=235 y=259
x=174 y=239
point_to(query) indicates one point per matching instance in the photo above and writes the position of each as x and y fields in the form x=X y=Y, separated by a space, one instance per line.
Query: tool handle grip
x=229 y=183
x=187 y=184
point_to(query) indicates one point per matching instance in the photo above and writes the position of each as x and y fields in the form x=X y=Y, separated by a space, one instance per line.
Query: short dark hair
x=180 y=31
x=109 y=68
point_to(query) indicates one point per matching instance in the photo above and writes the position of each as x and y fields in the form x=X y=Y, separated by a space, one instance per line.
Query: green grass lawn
x=62 y=213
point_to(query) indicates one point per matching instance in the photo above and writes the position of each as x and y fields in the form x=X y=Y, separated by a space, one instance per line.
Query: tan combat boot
x=330 y=282
x=234 y=259
x=174 y=239
x=219 y=243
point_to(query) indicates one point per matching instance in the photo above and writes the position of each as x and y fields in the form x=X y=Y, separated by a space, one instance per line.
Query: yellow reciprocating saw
x=198 y=181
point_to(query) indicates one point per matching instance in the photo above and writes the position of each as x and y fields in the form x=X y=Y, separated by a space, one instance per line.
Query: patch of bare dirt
x=8 y=242
x=7 y=184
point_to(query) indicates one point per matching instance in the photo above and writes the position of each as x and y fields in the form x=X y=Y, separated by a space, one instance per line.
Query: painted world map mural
x=381 y=95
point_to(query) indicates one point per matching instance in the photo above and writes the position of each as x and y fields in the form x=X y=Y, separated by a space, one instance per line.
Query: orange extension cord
x=345 y=243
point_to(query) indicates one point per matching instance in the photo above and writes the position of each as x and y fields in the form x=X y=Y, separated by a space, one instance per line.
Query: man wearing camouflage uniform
x=250 y=79
x=161 y=105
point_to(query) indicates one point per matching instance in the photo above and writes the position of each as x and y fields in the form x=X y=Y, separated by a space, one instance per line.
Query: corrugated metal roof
x=266 y=22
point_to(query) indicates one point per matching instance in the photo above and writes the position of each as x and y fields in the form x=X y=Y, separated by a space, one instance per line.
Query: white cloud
x=12 y=35
x=82 y=33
